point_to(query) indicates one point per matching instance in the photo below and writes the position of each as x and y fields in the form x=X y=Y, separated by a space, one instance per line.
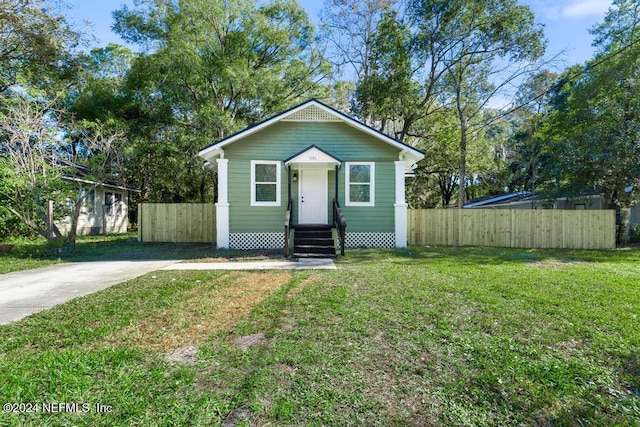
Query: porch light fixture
x=295 y=176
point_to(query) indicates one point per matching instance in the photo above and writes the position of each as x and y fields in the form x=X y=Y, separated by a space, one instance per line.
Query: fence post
x=50 y=220
x=139 y=222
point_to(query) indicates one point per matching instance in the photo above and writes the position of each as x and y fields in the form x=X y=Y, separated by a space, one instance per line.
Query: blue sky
x=566 y=22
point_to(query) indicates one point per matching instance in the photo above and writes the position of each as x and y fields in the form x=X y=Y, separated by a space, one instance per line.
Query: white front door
x=312 y=197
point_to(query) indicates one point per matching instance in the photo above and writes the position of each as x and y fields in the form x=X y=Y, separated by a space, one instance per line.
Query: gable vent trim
x=312 y=114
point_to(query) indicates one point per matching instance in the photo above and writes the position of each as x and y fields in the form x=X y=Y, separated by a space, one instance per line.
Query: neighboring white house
x=104 y=210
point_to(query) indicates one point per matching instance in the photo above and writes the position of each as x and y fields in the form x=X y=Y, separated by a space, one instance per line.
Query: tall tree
x=348 y=28
x=99 y=93
x=39 y=151
x=216 y=67
x=442 y=56
x=523 y=152
x=385 y=96
x=29 y=172
x=37 y=42
x=593 y=129
x=480 y=47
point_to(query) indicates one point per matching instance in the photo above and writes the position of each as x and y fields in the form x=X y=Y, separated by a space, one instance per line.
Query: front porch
x=313 y=224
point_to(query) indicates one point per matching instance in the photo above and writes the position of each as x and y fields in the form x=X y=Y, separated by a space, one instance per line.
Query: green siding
x=378 y=218
x=284 y=139
x=245 y=218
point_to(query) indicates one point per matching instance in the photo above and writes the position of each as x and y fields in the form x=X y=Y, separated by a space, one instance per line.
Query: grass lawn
x=416 y=337
x=37 y=253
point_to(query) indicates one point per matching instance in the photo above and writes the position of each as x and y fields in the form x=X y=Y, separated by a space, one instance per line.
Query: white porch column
x=222 y=207
x=400 y=207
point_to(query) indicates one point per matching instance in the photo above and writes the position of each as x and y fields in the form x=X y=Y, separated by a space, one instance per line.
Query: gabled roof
x=316 y=111
x=313 y=154
x=78 y=173
x=501 y=199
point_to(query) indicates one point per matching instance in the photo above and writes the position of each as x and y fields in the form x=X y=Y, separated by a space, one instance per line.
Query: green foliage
x=440 y=61
x=478 y=37
x=11 y=226
x=100 y=94
x=436 y=177
x=594 y=128
x=389 y=93
x=30 y=175
x=634 y=233
x=348 y=27
x=239 y=63
x=36 y=44
x=523 y=153
x=38 y=139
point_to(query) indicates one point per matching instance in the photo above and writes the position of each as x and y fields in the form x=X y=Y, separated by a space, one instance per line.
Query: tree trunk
x=75 y=216
x=55 y=232
x=624 y=227
x=462 y=187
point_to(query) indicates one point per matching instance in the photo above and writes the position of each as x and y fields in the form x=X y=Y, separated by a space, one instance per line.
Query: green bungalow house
x=295 y=179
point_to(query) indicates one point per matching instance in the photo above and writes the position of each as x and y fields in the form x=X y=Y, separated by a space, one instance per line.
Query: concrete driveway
x=26 y=292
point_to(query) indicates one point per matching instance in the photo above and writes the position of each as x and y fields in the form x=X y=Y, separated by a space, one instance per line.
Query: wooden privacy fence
x=176 y=222
x=515 y=228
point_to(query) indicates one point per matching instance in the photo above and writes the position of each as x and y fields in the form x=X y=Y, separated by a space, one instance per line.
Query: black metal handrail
x=287 y=227
x=340 y=223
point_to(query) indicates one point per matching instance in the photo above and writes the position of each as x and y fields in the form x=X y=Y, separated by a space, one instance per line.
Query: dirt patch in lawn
x=205 y=310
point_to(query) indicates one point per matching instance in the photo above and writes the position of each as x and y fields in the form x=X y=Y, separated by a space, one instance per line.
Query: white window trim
x=372 y=184
x=253 y=182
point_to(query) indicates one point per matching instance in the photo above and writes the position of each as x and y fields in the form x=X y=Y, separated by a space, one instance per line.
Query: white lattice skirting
x=247 y=241
x=370 y=240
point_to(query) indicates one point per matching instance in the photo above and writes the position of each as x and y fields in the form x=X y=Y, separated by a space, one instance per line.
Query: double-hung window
x=89 y=200
x=265 y=183
x=113 y=202
x=360 y=184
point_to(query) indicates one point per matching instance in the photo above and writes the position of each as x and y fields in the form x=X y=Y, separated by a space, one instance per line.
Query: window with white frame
x=265 y=183
x=360 y=184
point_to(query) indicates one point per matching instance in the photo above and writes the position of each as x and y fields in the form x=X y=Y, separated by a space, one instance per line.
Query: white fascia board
x=410 y=159
x=211 y=154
